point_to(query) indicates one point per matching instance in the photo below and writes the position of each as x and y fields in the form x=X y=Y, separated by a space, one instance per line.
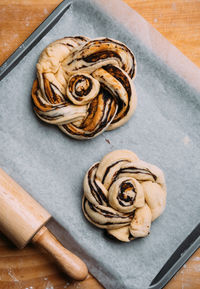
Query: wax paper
x=51 y=166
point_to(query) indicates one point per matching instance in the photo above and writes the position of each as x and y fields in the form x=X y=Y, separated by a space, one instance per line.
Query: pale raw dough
x=85 y=85
x=123 y=195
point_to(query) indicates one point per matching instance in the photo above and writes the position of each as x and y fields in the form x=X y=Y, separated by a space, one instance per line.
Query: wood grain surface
x=179 y=22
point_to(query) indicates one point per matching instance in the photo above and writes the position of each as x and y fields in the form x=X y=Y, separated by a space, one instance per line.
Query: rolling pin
x=23 y=220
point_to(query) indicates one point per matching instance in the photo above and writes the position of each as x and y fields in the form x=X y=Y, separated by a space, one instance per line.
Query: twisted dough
x=124 y=195
x=84 y=86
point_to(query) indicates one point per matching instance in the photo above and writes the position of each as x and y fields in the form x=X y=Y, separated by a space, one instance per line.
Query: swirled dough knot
x=123 y=195
x=84 y=86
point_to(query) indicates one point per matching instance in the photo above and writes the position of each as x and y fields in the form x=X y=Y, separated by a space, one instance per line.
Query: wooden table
x=179 y=22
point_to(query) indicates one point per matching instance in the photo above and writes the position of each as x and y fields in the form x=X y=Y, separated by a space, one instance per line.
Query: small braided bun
x=123 y=195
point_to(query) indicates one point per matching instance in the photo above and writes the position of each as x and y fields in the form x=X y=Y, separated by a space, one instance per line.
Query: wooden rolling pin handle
x=70 y=263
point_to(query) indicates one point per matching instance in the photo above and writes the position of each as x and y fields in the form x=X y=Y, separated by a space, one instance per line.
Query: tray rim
x=34 y=38
x=192 y=241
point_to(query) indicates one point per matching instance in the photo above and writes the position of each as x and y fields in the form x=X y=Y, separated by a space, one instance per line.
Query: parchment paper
x=51 y=166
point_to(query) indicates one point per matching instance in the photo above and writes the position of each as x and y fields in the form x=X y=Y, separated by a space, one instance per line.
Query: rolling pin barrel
x=20 y=215
x=22 y=220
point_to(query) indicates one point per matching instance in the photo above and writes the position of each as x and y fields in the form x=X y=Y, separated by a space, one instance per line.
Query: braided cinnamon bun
x=123 y=195
x=85 y=86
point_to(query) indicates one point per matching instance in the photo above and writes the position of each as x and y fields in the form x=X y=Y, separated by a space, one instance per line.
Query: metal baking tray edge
x=34 y=38
x=192 y=242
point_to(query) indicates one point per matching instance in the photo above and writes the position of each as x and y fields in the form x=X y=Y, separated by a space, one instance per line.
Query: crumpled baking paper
x=163 y=131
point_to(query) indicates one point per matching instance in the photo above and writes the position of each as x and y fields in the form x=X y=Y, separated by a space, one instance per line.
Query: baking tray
x=192 y=242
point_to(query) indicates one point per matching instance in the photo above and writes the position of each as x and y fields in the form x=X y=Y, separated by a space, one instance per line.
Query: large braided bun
x=85 y=86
